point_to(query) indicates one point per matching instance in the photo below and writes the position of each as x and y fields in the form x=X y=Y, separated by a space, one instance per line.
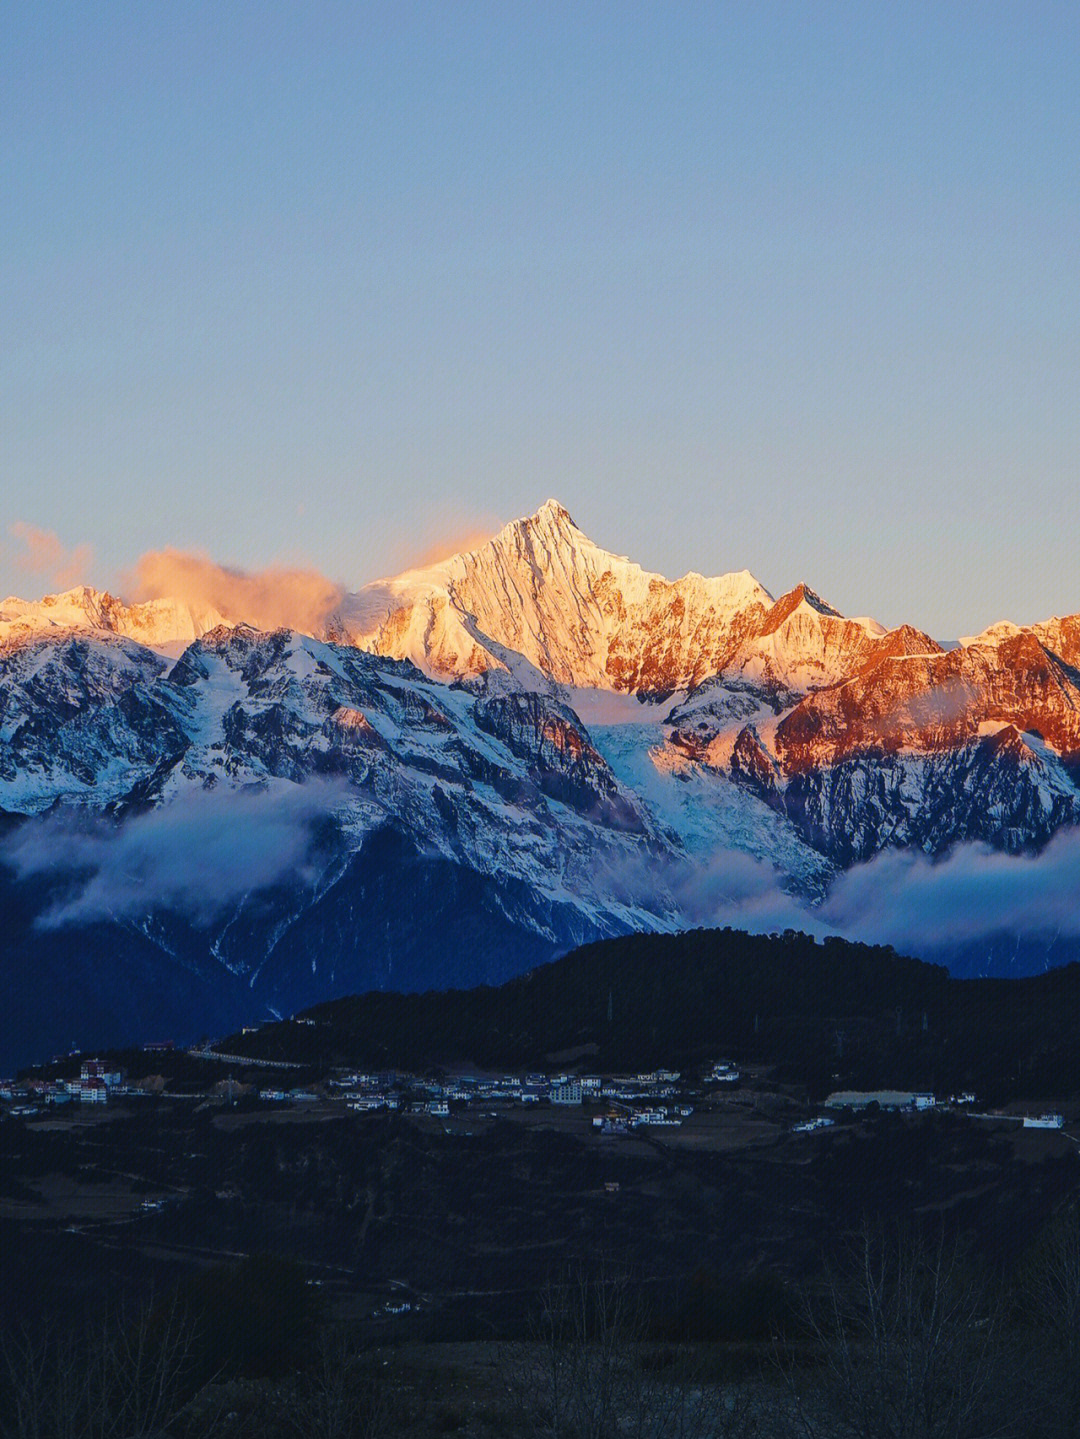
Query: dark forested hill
x=826 y=1014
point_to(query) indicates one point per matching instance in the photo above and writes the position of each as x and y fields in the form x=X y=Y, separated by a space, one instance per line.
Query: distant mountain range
x=462 y=771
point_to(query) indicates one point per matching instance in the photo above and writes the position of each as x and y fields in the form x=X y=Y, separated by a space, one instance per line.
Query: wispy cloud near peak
x=272 y=598
x=42 y=556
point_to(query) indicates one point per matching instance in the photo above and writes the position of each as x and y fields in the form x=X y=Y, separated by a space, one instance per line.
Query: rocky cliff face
x=470 y=771
x=437 y=833
x=810 y=711
x=919 y=747
x=861 y=737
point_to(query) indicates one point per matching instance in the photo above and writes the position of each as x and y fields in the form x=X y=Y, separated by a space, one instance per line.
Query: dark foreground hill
x=827 y=1015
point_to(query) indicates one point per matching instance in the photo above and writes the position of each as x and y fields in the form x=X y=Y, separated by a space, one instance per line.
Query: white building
x=883 y=1098
x=566 y=1093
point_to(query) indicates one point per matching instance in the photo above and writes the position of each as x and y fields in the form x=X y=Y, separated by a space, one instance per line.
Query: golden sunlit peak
x=553 y=510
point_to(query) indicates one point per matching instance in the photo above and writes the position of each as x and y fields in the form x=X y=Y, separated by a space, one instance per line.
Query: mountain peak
x=553 y=511
x=786 y=605
x=552 y=521
x=163 y=624
x=810 y=597
x=542 y=590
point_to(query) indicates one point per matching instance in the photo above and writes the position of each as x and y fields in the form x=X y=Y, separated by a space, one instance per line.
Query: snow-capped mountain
x=474 y=766
x=428 y=823
x=543 y=591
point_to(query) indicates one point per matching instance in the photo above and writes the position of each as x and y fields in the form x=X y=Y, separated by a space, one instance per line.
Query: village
x=629 y=1100
x=609 y=1104
x=191 y=1156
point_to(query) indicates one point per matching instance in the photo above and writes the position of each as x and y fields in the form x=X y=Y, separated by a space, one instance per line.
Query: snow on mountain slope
x=543 y=601
x=543 y=591
x=710 y=815
x=936 y=701
x=804 y=644
x=540 y=591
x=502 y=781
x=532 y=629
x=527 y=746
x=302 y=818
x=1059 y=636
x=999 y=790
x=81 y=717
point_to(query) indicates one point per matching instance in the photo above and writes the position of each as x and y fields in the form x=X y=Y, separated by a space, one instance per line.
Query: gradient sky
x=790 y=287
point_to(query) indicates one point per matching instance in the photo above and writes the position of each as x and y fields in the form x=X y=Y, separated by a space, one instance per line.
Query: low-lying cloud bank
x=269 y=599
x=198 y=856
x=919 y=905
x=973 y=893
x=735 y=889
x=204 y=852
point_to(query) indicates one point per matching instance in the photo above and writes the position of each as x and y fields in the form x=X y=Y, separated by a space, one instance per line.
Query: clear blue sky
x=791 y=287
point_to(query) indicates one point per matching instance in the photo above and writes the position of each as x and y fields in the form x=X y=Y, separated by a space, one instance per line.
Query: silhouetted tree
x=341 y=1394
x=123 y=1377
x=1050 y=1320
x=909 y=1341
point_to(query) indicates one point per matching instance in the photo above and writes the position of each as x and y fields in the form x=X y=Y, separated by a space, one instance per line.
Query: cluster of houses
x=811 y=1126
x=96 y=1082
x=367 y=1093
x=646 y=1098
x=621 y=1119
x=618 y=1104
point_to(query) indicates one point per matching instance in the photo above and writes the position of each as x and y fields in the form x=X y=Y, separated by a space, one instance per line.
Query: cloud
x=941 y=704
x=199 y=855
x=918 y=904
x=44 y=556
x=973 y=893
x=269 y=599
x=456 y=542
x=729 y=888
x=446 y=531
x=733 y=888
x=205 y=851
